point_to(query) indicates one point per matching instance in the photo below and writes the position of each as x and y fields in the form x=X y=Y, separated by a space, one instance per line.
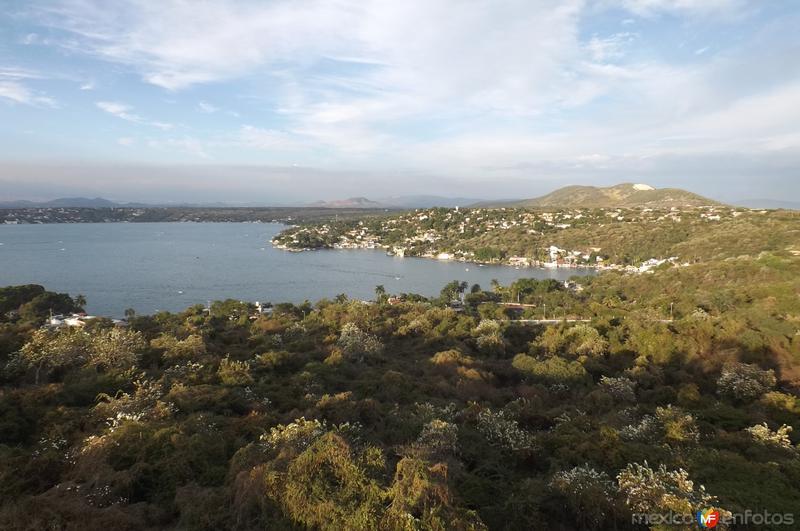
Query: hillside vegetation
x=626 y=195
x=607 y=238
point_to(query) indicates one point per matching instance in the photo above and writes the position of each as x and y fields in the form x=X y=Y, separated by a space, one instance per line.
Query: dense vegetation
x=676 y=393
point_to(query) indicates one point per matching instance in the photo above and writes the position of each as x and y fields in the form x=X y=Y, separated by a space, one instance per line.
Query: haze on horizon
x=287 y=101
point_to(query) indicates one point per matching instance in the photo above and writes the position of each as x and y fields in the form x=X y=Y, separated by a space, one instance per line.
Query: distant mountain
x=99 y=202
x=425 y=201
x=626 y=195
x=402 y=201
x=768 y=203
x=64 y=202
x=352 y=202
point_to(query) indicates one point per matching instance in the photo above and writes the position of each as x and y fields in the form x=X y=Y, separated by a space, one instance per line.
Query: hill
x=64 y=202
x=352 y=202
x=626 y=195
x=425 y=201
x=402 y=202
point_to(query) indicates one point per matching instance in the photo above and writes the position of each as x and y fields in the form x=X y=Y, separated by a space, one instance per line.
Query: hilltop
x=352 y=202
x=626 y=195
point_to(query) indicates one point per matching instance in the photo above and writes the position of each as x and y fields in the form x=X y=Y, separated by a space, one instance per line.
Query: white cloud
x=611 y=47
x=125 y=112
x=120 y=110
x=691 y=7
x=126 y=141
x=30 y=38
x=206 y=107
x=448 y=86
x=16 y=92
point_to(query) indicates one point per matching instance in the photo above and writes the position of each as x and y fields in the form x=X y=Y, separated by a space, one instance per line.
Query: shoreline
x=538 y=265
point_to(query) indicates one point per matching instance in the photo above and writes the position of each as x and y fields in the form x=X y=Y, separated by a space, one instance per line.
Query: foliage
x=355 y=343
x=589 y=494
x=649 y=491
x=744 y=382
x=779 y=438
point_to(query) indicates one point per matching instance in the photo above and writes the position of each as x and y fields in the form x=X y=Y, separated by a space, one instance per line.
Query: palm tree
x=80 y=301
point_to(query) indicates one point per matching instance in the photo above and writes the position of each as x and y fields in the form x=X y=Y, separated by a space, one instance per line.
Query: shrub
x=49 y=351
x=553 y=370
x=677 y=425
x=278 y=361
x=190 y=348
x=744 y=382
x=421 y=499
x=649 y=490
x=298 y=435
x=355 y=343
x=670 y=424
x=499 y=429
x=451 y=357
x=589 y=494
x=646 y=431
x=234 y=373
x=621 y=388
x=438 y=438
x=116 y=348
x=326 y=487
x=763 y=435
x=573 y=341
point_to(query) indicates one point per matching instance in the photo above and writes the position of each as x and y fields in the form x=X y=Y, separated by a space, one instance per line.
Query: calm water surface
x=170 y=266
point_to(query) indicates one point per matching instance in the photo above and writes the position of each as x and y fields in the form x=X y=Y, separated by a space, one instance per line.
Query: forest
x=677 y=393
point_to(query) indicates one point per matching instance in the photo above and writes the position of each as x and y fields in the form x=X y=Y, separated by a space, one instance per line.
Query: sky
x=281 y=101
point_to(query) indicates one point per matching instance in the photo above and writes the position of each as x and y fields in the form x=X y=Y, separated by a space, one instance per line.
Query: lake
x=170 y=266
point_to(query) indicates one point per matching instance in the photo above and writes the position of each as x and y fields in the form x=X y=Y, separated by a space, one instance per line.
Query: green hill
x=626 y=195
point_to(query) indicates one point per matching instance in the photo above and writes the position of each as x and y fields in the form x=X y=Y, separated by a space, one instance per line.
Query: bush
x=357 y=344
x=553 y=370
x=326 y=487
x=649 y=491
x=234 y=373
x=744 y=382
x=589 y=494
x=779 y=439
x=621 y=388
x=499 y=429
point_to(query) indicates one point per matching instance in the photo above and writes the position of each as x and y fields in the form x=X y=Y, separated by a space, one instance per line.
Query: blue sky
x=281 y=101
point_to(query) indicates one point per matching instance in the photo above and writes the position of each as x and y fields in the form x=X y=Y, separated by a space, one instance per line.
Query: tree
x=48 y=350
x=80 y=301
x=380 y=293
x=116 y=348
x=452 y=290
x=355 y=343
x=328 y=486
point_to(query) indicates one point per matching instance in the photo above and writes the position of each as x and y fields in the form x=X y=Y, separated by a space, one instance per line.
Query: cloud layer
x=484 y=91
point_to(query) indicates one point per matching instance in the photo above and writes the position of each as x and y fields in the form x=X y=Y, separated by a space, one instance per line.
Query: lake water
x=170 y=266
